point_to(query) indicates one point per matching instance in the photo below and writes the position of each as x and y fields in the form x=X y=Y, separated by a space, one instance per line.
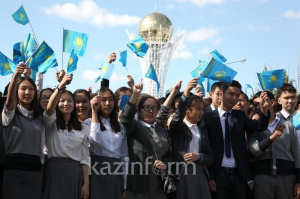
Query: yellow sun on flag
x=71 y=61
x=6 y=66
x=273 y=79
x=138 y=46
x=21 y=15
x=220 y=74
x=78 y=43
x=104 y=68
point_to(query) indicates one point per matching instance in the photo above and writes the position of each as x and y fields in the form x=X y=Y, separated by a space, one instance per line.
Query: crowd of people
x=56 y=144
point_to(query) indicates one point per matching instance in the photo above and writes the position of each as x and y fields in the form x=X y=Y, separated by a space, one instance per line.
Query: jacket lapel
x=219 y=130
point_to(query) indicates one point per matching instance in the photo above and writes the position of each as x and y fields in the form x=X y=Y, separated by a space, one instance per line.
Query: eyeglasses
x=148 y=108
x=44 y=98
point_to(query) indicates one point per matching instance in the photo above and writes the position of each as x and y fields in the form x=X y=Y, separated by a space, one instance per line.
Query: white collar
x=286 y=114
x=212 y=107
x=24 y=111
x=146 y=124
x=221 y=111
x=190 y=125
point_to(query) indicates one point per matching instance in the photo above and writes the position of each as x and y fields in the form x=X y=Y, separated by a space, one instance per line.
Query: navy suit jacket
x=238 y=124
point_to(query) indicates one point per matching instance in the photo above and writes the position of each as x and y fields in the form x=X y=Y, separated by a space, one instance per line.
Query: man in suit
x=215 y=97
x=226 y=129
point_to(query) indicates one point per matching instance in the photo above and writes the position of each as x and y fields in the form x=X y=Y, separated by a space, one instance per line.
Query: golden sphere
x=152 y=22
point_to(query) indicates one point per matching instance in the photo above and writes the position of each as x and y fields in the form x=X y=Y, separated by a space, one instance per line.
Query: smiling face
x=66 y=103
x=107 y=104
x=83 y=106
x=44 y=98
x=26 y=94
x=149 y=111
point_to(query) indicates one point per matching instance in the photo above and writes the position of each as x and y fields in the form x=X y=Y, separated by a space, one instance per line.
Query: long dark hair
x=34 y=105
x=73 y=122
x=114 y=123
x=142 y=100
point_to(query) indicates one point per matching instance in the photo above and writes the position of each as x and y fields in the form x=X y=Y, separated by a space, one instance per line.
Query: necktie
x=289 y=118
x=227 y=137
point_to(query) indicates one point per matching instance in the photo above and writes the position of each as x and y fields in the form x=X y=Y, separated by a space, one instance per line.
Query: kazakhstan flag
x=75 y=40
x=210 y=82
x=42 y=59
x=197 y=72
x=151 y=74
x=248 y=86
x=6 y=65
x=200 y=85
x=218 y=71
x=218 y=56
x=30 y=46
x=138 y=46
x=18 y=52
x=123 y=58
x=107 y=70
x=271 y=79
x=97 y=78
x=20 y=16
x=296 y=120
x=72 y=63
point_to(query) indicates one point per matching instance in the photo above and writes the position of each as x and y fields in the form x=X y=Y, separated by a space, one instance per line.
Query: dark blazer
x=181 y=136
x=239 y=124
x=207 y=109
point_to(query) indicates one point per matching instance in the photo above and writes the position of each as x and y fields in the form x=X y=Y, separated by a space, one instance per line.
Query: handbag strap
x=151 y=128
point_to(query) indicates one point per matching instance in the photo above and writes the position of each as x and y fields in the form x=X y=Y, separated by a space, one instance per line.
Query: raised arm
x=11 y=100
x=53 y=101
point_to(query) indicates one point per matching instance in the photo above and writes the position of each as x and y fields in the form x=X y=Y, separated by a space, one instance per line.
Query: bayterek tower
x=157 y=31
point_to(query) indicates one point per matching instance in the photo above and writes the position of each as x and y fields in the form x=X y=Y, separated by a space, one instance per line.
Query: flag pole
x=31 y=55
x=190 y=73
x=32 y=30
x=119 y=50
x=127 y=70
x=62 y=53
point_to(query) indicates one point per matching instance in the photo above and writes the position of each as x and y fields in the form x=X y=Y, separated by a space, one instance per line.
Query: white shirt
x=8 y=115
x=194 y=144
x=212 y=107
x=109 y=144
x=227 y=162
x=62 y=143
x=273 y=125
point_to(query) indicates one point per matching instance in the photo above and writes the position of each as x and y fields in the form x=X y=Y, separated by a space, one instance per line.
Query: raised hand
x=95 y=103
x=264 y=102
x=138 y=87
x=27 y=71
x=177 y=86
x=60 y=75
x=111 y=57
x=190 y=86
x=130 y=81
x=278 y=132
x=67 y=79
x=20 y=69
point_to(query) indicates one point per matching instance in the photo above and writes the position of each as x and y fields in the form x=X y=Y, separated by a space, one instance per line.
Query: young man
x=276 y=158
x=226 y=130
x=215 y=96
x=243 y=103
x=287 y=98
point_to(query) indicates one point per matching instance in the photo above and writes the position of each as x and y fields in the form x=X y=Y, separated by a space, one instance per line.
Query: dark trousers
x=229 y=186
x=1 y=179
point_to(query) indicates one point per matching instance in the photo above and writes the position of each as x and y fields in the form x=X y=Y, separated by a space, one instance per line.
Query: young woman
x=190 y=144
x=83 y=105
x=67 y=143
x=148 y=146
x=108 y=146
x=44 y=97
x=24 y=135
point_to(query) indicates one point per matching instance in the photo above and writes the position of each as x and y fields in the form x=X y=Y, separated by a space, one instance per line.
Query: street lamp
x=241 y=60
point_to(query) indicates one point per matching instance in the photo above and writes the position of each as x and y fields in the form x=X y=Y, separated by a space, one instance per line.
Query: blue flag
x=296 y=120
x=6 y=65
x=124 y=100
x=107 y=70
x=33 y=75
x=74 y=40
x=201 y=88
x=210 y=82
x=42 y=59
x=20 y=16
x=248 y=86
x=151 y=74
x=271 y=79
x=197 y=72
x=218 y=71
x=139 y=46
x=218 y=56
x=123 y=58
x=72 y=63
x=97 y=78
x=30 y=46
x=18 y=52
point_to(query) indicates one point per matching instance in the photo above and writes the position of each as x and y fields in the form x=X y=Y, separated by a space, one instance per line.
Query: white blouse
x=63 y=143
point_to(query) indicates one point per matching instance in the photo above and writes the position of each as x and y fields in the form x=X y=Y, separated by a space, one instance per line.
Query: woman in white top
x=108 y=148
x=67 y=143
x=24 y=136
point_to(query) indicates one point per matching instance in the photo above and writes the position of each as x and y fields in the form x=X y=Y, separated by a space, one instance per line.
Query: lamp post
x=241 y=60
